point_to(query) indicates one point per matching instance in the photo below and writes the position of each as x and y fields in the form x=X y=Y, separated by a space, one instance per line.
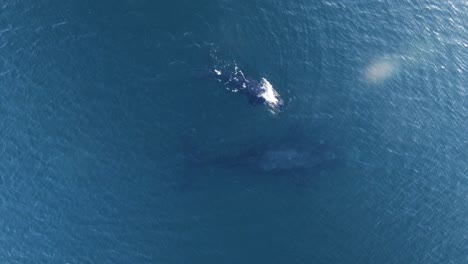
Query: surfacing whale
x=258 y=93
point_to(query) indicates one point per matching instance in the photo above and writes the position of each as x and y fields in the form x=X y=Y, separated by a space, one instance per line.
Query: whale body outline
x=257 y=92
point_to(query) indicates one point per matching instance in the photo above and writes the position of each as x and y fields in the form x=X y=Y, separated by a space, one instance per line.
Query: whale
x=284 y=160
x=274 y=159
x=257 y=92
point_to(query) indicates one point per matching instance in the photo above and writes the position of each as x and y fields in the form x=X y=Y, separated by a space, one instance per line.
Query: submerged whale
x=275 y=159
x=258 y=92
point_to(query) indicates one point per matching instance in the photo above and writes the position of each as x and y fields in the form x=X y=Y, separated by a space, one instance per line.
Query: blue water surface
x=115 y=148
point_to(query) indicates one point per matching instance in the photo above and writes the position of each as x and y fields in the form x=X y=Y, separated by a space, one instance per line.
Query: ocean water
x=114 y=150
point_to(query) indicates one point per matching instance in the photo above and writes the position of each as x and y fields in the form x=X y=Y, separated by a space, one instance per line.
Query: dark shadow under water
x=294 y=157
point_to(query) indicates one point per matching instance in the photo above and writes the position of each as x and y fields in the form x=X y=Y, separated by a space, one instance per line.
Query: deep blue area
x=113 y=150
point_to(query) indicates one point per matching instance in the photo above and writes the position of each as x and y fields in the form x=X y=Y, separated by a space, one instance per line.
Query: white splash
x=381 y=69
x=271 y=96
x=218 y=72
